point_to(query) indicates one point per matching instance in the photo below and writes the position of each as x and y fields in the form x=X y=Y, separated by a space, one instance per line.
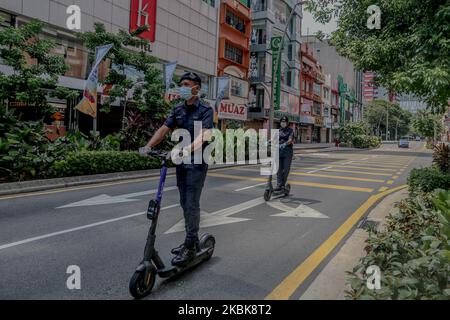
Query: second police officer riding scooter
x=144 y=277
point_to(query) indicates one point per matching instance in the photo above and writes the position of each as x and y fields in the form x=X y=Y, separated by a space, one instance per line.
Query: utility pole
x=387 y=123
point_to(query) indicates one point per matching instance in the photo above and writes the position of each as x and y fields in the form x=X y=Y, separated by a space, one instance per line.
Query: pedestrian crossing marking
x=327 y=176
x=295 y=182
x=352 y=171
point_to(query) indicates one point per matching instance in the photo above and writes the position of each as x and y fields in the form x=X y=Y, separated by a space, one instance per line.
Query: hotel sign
x=143 y=12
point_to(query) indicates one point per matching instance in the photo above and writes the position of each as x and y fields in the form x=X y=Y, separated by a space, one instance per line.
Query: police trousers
x=284 y=165
x=190 y=181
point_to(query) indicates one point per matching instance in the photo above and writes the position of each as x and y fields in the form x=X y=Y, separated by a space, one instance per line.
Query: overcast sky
x=310 y=27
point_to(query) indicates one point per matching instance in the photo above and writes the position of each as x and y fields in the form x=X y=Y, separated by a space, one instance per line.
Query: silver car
x=403 y=143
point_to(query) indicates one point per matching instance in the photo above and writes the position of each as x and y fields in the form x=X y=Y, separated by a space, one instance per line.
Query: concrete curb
x=331 y=282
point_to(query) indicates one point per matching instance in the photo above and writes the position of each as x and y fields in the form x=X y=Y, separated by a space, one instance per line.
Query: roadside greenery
x=428 y=125
x=355 y=134
x=412 y=249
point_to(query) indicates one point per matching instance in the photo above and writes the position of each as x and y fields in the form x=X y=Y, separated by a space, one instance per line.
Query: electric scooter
x=270 y=191
x=143 y=279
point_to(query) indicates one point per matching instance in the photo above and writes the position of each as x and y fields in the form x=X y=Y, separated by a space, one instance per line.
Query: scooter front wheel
x=267 y=195
x=141 y=283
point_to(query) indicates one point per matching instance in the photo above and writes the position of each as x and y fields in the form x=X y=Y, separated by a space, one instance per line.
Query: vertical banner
x=222 y=84
x=276 y=46
x=169 y=69
x=88 y=104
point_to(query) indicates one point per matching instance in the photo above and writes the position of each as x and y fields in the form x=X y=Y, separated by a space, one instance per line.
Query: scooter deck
x=172 y=270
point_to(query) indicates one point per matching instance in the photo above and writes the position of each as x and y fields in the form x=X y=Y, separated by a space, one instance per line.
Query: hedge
x=365 y=142
x=98 y=162
x=427 y=180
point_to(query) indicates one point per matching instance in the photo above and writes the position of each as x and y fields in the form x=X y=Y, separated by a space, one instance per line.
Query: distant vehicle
x=418 y=139
x=403 y=142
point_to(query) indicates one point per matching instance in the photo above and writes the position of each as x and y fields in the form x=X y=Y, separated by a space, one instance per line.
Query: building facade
x=269 y=19
x=185 y=31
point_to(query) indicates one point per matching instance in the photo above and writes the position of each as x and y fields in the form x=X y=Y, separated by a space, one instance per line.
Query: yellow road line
x=351 y=171
x=394 y=177
x=296 y=182
x=383 y=189
x=377 y=165
x=38 y=193
x=390 y=182
x=327 y=176
x=294 y=280
x=350 y=166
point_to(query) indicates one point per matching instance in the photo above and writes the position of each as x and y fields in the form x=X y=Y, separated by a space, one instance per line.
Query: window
x=317 y=109
x=259 y=36
x=238 y=88
x=317 y=89
x=235 y=21
x=234 y=54
x=258 y=5
x=212 y=3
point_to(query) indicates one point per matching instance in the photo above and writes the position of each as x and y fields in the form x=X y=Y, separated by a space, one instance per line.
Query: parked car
x=403 y=142
x=418 y=139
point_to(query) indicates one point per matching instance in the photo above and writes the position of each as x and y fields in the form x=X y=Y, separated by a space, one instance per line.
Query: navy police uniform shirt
x=183 y=116
x=286 y=134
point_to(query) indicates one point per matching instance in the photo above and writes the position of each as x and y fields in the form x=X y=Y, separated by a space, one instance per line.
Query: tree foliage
x=376 y=113
x=35 y=70
x=410 y=52
x=427 y=124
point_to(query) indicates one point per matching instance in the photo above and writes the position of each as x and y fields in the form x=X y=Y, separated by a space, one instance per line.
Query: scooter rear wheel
x=141 y=285
x=267 y=195
x=287 y=190
x=208 y=242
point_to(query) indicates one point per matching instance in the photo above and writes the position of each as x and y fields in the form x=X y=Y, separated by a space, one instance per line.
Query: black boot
x=186 y=255
x=178 y=249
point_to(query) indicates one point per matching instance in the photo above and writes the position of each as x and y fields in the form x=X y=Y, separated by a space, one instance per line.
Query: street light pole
x=275 y=69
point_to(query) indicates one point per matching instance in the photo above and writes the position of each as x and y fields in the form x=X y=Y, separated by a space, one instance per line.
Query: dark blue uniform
x=286 y=155
x=191 y=177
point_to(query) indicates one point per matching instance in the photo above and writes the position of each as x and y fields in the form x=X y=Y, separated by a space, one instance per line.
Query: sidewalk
x=330 y=284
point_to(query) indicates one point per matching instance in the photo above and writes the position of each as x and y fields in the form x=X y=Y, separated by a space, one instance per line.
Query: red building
x=234 y=57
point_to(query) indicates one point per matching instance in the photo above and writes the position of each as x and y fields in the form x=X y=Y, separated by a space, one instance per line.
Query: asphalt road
x=102 y=229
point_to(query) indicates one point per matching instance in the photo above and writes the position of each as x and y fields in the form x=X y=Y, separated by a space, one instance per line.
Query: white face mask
x=283 y=124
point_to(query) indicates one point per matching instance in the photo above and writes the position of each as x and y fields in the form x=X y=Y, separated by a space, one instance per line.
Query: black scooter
x=143 y=279
x=270 y=191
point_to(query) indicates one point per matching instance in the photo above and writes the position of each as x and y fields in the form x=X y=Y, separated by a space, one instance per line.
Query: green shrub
x=352 y=129
x=412 y=253
x=427 y=180
x=97 y=162
x=365 y=142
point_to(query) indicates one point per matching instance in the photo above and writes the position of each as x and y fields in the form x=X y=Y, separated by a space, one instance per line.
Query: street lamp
x=275 y=69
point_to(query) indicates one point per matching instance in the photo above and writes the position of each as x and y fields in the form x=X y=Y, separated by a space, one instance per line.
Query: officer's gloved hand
x=144 y=151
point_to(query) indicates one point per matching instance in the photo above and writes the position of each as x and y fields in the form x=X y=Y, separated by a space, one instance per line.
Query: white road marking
x=250 y=187
x=302 y=211
x=321 y=169
x=106 y=199
x=49 y=235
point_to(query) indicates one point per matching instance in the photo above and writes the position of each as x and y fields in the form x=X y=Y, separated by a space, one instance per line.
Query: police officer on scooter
x=190 y=177
x=286 y=142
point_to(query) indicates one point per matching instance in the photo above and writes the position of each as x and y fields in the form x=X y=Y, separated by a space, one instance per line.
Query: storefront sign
x=230 y=110
x=307 y=119
x=318 y=121
x=276 y=46
x=143 y=12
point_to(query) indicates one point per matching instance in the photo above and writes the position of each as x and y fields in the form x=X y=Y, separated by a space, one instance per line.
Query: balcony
x=258 y=47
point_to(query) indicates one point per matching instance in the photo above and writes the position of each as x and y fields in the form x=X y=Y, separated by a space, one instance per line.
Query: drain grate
x=367 y=224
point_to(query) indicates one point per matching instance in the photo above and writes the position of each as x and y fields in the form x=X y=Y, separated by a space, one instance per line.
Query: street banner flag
x=222 y=84
x=88 y=104
x=169 y=70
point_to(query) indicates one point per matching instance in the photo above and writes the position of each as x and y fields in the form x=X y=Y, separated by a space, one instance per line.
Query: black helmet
x=284 y=118
x=193 y=77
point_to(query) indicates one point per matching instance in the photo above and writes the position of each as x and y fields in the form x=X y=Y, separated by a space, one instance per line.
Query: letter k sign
x=143 y=13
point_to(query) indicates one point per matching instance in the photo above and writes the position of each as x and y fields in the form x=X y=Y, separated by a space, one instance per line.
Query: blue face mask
x=185 y=93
